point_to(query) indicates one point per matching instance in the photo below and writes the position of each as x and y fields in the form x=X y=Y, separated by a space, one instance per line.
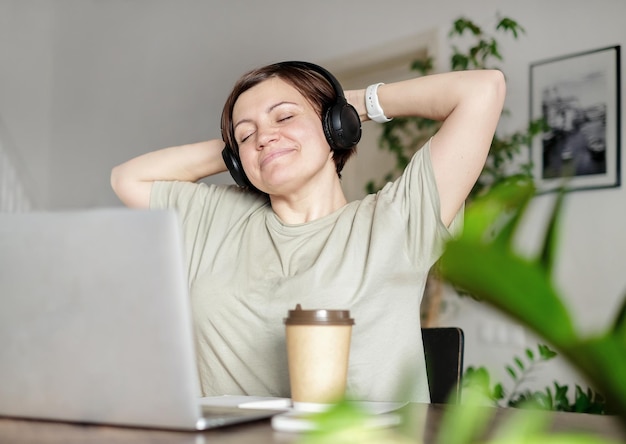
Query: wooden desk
x=27 y=431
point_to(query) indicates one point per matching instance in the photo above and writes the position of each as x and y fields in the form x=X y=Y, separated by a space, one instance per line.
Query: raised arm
x=469 y=103
x=132 y=180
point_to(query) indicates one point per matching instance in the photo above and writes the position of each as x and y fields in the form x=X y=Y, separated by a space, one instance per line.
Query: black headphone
x=340 y=121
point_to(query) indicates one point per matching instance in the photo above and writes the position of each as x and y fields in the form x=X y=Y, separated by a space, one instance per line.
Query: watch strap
x=374 y=110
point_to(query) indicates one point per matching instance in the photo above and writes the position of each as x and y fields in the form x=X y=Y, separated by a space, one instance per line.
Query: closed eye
x=246 y=137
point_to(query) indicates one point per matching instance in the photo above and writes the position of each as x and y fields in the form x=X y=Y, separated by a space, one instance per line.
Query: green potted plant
x=555 y=397
x=402 y=137
x=524 y=288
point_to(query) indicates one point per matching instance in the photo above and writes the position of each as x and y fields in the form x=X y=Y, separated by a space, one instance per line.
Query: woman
x=291 y=237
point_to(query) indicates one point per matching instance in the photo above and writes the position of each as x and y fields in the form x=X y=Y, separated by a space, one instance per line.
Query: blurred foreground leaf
x=483 y=262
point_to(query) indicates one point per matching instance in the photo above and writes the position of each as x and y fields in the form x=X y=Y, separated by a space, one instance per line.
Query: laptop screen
x=94 y=318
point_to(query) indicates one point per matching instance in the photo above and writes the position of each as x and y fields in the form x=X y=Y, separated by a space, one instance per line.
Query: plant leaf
x=521 y=426
x=511 y=372
x=493 y=217
x=546 y=352
x=489 y=269
x=498 y=392
x=509 y=283
x=601 y=360
x=462 y=425
x=508 y=24
x=619 y=326
x=551 y=237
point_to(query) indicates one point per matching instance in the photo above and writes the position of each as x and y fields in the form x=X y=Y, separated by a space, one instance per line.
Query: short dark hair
x=311 y=84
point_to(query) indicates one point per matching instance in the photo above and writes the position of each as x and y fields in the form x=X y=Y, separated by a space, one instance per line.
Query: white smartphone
x=298 y=421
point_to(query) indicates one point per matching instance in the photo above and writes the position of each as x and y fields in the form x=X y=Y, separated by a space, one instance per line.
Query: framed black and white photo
x=578 y=95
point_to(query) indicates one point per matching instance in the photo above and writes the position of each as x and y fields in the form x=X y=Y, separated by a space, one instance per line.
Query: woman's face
x=281 y=141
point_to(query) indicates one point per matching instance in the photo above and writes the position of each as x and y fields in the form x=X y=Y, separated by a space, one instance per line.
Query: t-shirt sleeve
x=206 y=212
x=415 y=196
x=201 y=203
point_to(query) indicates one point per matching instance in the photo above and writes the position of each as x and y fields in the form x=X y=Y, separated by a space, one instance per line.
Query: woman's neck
x=309 y=204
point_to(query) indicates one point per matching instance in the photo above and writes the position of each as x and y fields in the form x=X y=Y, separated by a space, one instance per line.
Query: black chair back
x=443 y=349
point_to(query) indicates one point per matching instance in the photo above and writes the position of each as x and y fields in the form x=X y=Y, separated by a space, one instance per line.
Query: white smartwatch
x=374 y=110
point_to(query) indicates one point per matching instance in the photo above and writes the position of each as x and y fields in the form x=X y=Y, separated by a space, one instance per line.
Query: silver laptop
x=95 y=322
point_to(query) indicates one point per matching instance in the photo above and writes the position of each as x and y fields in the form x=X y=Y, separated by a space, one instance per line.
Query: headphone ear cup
x=342 y=125
x=233 y=163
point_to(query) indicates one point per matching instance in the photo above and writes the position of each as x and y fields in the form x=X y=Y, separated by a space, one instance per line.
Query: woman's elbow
x=117 y=180
x=497 y=83
x=132 y=192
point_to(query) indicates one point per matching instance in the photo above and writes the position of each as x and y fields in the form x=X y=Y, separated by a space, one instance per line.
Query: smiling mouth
x=275 y=155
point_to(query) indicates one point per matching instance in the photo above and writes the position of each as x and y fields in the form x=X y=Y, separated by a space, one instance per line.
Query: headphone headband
x=320 y=70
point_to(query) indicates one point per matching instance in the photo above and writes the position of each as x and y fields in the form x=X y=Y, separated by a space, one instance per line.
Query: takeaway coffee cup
x=318 y=348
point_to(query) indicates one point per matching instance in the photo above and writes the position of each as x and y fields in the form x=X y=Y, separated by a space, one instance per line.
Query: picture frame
x=578 y=95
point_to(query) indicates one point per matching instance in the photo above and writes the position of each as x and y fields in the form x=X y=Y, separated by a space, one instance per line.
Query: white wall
x=593 y=243
x=25 y=91
x=87 y=84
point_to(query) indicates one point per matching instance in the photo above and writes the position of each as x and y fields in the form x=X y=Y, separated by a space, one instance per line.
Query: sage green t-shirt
x=246 y=269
